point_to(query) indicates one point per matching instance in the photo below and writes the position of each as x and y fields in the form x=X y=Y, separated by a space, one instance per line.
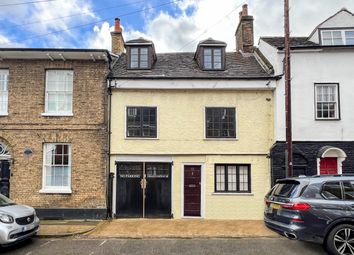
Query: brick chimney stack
x=117 y=38
x=244 y=32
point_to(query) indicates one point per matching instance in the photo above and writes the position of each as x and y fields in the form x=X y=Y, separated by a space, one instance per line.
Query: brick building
x=53 y=130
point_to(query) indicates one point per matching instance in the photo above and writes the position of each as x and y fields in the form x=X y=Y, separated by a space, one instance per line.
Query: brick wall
x=86 y=131
x=305 y=158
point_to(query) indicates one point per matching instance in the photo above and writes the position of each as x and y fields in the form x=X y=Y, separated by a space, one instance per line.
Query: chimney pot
x=117 y=38
x=244 y=31
x=244 y=11
x=117 y=27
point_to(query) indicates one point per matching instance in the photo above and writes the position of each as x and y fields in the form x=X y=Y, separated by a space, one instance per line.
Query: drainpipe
x=109 y=177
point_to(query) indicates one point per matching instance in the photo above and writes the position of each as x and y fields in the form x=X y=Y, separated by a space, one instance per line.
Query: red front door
x=192 y=179
x=328 y=166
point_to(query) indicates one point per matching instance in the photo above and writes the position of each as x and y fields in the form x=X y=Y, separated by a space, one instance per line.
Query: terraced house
x=190 y=131
x=322 y=98
x=53 y=130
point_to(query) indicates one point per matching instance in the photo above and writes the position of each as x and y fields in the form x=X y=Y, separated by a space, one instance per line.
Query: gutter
x=275 y=77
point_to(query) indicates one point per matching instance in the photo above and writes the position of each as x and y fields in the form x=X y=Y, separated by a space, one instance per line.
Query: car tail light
x=267 y=202
x=296 y=206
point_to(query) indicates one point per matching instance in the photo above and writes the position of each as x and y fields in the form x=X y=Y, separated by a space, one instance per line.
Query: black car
x=316 y=209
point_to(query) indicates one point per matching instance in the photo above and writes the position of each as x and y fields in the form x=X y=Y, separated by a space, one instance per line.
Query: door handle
x=143 y=183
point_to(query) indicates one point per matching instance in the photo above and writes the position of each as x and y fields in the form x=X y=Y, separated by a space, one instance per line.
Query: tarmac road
x=258 y=246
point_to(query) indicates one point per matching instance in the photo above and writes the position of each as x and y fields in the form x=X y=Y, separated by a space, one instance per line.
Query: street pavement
x=258 y=246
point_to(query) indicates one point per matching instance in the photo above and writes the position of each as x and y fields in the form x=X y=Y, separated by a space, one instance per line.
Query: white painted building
x=322 y=66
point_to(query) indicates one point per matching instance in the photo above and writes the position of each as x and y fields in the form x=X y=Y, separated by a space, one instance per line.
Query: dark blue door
x=5 y=178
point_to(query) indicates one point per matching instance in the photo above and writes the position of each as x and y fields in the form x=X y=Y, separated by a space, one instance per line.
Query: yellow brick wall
x=181 y=121
x=225 y=206
x=181 y=135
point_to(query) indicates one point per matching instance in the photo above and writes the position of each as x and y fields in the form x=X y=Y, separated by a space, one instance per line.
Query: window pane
x=349 y=37
x=3 y=91
x=141 y=122
x=134 y=51
x=57 y=165
x=217 y=52
x=326 y=101
x=349 y=41
x=143 y=51
x=327 y=41
x=59 y=87
x=220 y=178
x=220 y=122
x=231 y=178
x=243 y=178
x=332 y=191
x=207 y=52
x=326 y=35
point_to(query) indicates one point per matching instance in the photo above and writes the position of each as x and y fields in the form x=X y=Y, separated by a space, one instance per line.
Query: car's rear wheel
x=341 y=240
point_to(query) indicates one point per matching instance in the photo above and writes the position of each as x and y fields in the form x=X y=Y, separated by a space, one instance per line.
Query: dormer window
x=210 y=55
x=139 y=57
x=337 y=37
x=212 y=58
x=140 y=54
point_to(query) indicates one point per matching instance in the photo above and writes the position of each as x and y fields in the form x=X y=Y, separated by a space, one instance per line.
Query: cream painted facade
x=181 y=140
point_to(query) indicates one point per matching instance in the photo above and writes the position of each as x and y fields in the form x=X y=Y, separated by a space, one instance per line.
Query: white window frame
x=343 y=36
x=5 y=93
x=337 y=115
x=66 y=93
x=55 y=189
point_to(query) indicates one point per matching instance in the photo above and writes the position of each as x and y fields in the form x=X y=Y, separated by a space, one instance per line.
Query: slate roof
x=295 y=42
x=139 y=40
x=211 y=41
x=184 y=66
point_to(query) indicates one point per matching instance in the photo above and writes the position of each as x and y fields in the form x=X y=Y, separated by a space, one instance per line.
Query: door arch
x=329 y=160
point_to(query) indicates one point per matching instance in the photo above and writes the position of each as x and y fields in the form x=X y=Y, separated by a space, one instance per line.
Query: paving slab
x=58 y=228
x=180 y=228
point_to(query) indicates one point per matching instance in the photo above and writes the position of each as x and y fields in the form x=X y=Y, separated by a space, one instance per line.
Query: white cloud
x=47 y=17
x=209 y=19
x=100 y=38
x=8 y=43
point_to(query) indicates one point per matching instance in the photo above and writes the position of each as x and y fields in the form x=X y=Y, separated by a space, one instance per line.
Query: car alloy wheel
x=344 y=241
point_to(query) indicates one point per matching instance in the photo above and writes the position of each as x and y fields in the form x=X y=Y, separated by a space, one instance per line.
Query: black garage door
x=143 y=190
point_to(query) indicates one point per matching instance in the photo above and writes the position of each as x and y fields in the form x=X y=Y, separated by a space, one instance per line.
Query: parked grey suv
x=315 y=209
x=17 y=222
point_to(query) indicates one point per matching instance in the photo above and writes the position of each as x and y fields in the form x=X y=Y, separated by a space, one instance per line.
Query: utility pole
x=289 y=142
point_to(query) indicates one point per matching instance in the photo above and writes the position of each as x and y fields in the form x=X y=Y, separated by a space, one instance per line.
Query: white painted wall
x=307 y=68
x=342 y=19
x=195 y=84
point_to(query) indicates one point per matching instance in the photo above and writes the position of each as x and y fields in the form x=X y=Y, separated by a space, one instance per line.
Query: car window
x=348 y=190
x=332 y=191
x=286 y=189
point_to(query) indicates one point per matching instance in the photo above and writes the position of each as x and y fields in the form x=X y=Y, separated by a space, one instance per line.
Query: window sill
x=45 y=114
x=4 y=114
x=55 y=191
x=220 y=139
x=327 y=119
x=233 y=194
